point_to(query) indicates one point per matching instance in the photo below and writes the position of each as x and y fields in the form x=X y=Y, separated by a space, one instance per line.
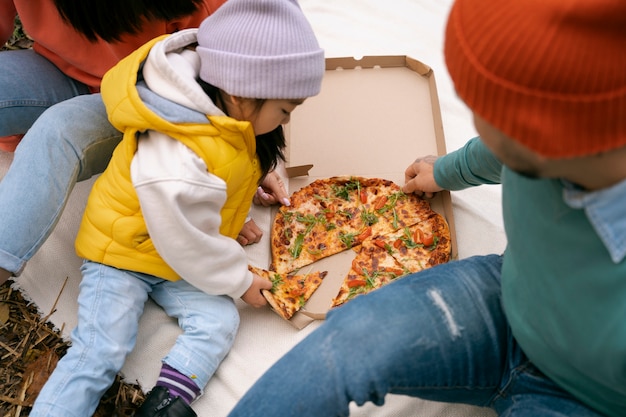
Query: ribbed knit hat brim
x=550 y=74
x=261 y=49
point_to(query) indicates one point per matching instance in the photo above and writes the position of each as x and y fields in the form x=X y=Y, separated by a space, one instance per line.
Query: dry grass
x=29 y=350
x=30 y=346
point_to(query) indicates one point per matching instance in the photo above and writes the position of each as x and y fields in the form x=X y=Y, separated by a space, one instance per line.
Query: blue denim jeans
x=439 y=335
x=109 y=306
x=68 y=139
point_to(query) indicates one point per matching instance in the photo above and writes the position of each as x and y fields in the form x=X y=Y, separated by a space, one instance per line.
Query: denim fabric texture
x=439 y=335
x=68 y=139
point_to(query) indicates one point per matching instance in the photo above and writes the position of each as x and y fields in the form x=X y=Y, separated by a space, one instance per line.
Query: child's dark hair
x=110 y=19
x=269 y=146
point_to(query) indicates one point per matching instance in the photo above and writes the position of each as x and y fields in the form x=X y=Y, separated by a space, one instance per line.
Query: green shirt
x=563 y=276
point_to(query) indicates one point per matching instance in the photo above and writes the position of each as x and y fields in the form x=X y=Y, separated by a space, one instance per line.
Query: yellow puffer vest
x=113 y=230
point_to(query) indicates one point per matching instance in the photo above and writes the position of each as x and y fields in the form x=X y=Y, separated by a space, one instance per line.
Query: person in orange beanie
x=539 y=330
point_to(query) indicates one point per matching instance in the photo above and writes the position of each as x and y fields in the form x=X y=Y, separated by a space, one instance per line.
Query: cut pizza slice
x=373 y=267
x=386 y=257
x=403 y=210
x=289 y=292
x=422 y=245
x=299 y=238
x=353 y=208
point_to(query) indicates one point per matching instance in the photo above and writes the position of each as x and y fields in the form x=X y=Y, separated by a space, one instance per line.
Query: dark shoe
x=159 y=404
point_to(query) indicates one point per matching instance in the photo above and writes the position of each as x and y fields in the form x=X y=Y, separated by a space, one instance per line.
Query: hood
x=155 y=88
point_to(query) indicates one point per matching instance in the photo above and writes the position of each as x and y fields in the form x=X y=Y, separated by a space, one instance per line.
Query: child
x=162 y=220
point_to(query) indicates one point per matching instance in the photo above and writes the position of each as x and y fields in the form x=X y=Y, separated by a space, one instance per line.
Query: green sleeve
x=469 y=166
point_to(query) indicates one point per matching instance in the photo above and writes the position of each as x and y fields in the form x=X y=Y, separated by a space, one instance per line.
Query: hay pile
x=29 y=350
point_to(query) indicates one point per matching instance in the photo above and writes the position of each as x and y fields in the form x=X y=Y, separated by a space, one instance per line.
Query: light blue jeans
x=68 y=139
x=439 y=335
x=109 y=306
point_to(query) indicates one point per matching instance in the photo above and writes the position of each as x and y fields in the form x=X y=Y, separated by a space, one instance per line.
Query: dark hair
x=110 y=19
x=269 y=146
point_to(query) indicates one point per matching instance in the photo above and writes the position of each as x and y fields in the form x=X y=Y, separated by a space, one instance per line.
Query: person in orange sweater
x=49 y=98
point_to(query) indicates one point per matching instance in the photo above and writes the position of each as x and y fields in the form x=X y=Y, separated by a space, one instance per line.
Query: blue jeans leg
x=527 y=392
x=437 y=335
x=28 y=86
x=71 y=141
x=110 y=304
x=209 y=324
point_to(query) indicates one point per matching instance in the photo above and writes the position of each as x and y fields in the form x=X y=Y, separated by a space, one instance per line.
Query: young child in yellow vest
x=201 y=111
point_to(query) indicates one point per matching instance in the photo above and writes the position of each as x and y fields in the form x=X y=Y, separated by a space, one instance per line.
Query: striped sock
x=179 y=385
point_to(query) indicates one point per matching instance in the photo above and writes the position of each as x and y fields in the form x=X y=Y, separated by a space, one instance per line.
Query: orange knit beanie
x=550 y=74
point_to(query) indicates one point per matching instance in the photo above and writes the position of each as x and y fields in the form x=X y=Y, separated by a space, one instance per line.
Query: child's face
x=270 y=115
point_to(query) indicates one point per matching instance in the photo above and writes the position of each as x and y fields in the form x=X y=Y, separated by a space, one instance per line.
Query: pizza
x=393 y=233
x=329 y=216
x=289 y=292
x=373 y=267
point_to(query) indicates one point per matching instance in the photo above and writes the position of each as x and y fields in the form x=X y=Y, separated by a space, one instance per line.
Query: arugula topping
x=407 y=239
x=310 y=221
x=297 y=246
x=369 y=218
x=343 y=191
x=348 y=239
x=276 y=281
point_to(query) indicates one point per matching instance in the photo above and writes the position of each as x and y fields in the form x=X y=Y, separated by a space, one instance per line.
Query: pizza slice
x=299 y=238
x=422 y=245
x=373 y=267
x=354 y=208
x=388 y=256
x=402 y=210
x=289 y=292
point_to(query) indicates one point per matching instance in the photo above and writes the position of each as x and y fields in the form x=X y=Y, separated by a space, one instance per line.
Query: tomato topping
x=428 y=240
x=397 y=243
x=380 y=202
x=380 y=243
x=296 y=292
x=356 y=283
x=364 y=234
x=363 y=196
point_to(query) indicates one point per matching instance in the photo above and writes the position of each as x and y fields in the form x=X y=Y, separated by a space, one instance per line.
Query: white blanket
x=344 y=28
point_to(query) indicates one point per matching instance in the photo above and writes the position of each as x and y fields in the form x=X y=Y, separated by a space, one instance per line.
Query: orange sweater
x=72 y=53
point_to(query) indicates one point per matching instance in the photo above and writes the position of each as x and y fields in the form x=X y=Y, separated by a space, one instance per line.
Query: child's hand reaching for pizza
x=419 y=177
x=272 y=191
x=250 y=233
x=253 y=296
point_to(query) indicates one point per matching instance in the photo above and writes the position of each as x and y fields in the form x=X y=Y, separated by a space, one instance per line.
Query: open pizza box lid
x=372 y=118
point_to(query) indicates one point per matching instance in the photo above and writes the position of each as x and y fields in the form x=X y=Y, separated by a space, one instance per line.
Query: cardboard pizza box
x=372 y=118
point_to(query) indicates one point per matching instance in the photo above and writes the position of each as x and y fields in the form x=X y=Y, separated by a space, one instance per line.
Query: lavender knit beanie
x=262 y=49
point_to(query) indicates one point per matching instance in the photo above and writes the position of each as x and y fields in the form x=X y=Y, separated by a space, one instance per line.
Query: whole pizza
x=393 y=233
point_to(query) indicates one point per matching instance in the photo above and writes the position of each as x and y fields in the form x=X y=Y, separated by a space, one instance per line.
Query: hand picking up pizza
x=289 y=292
x=393 y=233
